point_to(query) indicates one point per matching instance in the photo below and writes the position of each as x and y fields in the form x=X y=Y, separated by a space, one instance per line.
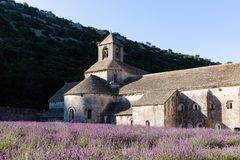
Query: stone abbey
x=117 y=93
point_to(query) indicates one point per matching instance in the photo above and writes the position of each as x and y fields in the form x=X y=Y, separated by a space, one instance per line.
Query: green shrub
x=232 y=142
x=214 y=144
x=83 y=142
x=7 y=143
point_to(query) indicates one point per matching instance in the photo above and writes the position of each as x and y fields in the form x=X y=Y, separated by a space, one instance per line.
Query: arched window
x=105 y=53
x=147 y=123
x=199 y=125
x=117 y=51
x=181 y=107
x=115 y=78
x=71 y=115
x=229 y=104
x=212 y=106
x=218 y=126
x=196 y=107
x=89 y=114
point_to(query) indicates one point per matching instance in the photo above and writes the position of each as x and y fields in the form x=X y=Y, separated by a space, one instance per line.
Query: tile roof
x=188 y=79
x=90 y=85
x=154 y=97
x=58 y=96
x=114 y=64
x=110 y=39
x=157 y=88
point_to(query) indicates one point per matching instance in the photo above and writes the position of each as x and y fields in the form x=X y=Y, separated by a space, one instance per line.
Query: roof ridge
x=192 y=69
x=72 y=82
x=58 y=95
x=113 y=63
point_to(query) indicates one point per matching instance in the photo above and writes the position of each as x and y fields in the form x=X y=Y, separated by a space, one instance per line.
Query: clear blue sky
x=210 y=28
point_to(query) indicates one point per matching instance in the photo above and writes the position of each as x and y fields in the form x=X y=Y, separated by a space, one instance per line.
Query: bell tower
x=110 y=65
x=110 y=49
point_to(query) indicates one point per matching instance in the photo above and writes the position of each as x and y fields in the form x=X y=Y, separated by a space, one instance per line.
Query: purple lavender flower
x=54 y=141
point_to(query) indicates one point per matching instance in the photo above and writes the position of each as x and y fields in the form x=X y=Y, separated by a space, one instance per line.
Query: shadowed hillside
x=39 y=52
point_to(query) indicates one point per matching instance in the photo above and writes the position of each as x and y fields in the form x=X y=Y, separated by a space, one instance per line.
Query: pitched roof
x=53 y=113
x=114 y=64
x=119 y=108
x=58 y=96
x=90 y=85
x=197 y=78
x=154 y=97
x=110 y=39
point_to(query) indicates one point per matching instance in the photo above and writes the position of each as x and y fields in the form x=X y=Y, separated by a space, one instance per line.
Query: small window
x=131 y=122
x=199 y=125
x=229 y=104
x=105 y=53
x=196 y=107
x=105 y=119
x=115 y=78
x=237 y=129
x=117 y=51
x=212 y=106
x=181 y=107
x=71 y=115
x=218 y=126
x=89 y=114
x=147 y=123
x=189 y=125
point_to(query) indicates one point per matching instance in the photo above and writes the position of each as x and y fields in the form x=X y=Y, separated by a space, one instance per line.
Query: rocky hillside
x=39 y=52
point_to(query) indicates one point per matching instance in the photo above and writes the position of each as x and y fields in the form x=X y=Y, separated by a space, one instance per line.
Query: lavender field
x=56 y=141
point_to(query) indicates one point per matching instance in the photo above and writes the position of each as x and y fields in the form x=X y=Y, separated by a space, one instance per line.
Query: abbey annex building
x=117 y=93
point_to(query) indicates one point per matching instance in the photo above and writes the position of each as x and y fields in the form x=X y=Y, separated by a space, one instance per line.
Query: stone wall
x=212 y=110
x=187 y=115
x=101 y=74
x=121 y=75
x=131 y=97
x=19 y=114
x=56 y=105
x=170 y=111
x=97 y=103
x=123 y=120
x=109 y=75
x=152 y=113
x=229 y=118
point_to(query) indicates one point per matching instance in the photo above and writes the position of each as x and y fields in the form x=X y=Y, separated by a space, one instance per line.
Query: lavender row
x=56 y=141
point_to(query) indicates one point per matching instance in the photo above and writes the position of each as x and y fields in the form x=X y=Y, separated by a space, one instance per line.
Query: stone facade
x=114 y=92
x=154 y=115
x=209 y=107
x=124 y=120
x=81 y=104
